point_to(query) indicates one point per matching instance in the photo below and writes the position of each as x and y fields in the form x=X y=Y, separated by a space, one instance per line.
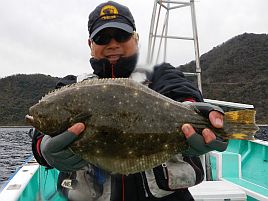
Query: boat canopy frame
x=169 y=5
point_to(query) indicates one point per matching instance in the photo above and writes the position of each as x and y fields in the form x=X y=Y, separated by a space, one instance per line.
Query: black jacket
x=170 y=82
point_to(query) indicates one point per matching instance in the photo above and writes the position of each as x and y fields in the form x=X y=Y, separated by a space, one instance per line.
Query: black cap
x=110 y=14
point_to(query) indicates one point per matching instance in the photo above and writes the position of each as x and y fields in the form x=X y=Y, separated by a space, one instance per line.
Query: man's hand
x=216 y=120
x=56 y=152
x=77 y=128
x=208 y=141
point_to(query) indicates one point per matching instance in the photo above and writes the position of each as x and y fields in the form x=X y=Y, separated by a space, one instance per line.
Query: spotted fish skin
x=129 y=127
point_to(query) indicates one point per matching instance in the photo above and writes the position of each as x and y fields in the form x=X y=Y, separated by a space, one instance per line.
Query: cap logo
x=108 y=12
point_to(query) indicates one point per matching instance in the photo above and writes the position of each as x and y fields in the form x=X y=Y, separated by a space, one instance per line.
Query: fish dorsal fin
x=108 y=81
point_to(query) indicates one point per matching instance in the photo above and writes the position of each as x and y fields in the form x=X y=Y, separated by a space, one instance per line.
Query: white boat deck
x=217 y=191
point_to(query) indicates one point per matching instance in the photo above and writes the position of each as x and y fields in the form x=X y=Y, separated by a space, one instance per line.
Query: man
x=114 y=48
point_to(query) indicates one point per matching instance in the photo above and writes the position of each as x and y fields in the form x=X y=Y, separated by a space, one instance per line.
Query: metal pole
x=167 y=18
x=151 y=33
x=161 y=39
x=198 y=71
x=196 y=45
x=156 y=28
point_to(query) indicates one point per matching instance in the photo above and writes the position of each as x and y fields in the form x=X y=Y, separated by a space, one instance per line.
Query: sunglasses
x=105 y=37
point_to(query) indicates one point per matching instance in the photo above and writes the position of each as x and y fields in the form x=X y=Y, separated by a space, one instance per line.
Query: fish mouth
x=29 y=119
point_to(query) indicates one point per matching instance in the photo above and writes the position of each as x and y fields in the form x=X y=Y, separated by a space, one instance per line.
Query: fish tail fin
x=240 y=125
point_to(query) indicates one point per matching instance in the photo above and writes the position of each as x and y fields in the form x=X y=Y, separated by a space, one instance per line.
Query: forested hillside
x=237 y=71
x=18 y=93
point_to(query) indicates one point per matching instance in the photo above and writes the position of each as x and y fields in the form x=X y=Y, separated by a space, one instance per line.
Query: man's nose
x=113 y=44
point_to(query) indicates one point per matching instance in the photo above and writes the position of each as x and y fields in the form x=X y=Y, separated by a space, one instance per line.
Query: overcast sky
x=50 y=37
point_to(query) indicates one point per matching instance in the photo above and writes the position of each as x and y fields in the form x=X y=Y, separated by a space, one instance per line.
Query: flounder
x=129 y=127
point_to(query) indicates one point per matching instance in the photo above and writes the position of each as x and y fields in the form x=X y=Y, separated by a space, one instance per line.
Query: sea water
x=15 y=148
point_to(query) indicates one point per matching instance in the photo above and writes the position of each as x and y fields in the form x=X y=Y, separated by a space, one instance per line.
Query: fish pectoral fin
x=81 y=117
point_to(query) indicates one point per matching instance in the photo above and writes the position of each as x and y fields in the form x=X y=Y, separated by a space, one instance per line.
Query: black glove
x=205 y=108
x=196 y=141
x=56 y=152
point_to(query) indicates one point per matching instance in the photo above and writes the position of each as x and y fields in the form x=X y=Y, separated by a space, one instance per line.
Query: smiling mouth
x=113 y=58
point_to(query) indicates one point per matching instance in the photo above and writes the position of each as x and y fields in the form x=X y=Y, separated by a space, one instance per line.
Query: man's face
x=112 y=43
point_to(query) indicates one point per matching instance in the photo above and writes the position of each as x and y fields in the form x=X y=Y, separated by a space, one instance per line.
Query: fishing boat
x=239 y=173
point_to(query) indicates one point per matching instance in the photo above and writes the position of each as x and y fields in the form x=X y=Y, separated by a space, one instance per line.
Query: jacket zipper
x=144 y=188
x=164 y=166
